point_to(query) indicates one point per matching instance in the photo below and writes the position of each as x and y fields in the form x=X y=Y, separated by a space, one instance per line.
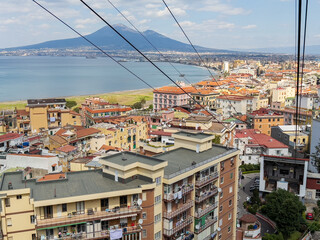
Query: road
x=244 y=192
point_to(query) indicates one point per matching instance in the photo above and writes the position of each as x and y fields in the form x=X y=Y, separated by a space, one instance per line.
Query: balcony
x=179 y=226
x=181 y=209
x=206 y=195
x=208 y=223
x=96 y=235
x=90 y=216
x=253 y=233
x=202 y=212
x=173 y=196
x=207 y=179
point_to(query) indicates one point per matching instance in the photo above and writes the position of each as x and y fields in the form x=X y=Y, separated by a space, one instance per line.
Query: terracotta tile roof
x=66 y=148
x=234 y=97
x=86 y=132
x=60 y=132
x=9 y=136
x=50 y=177
x=174 y=90
x=180 y=109
x=124 y=109
x=22 y=112
x=32 y=155
x=109 y=148
x=161 y=133
x=248 y=218
x=58 y=139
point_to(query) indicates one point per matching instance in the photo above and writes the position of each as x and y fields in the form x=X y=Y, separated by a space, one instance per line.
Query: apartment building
x=124 y=132
x=230 y=105
x=205 y=97
x=95 y=110
x=188 y=192
x=263 y=119
x=170 y=96
x=289 y=113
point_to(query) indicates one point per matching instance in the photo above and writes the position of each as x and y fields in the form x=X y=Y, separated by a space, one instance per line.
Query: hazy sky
x=221 y=24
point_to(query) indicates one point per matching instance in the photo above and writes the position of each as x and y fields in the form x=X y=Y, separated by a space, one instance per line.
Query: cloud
x=86 y=20
x=164 y=12
x=10 y=21
x=219 y=7
x=250 y=26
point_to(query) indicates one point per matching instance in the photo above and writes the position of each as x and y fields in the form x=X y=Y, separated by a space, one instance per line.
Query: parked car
x=253 y=187
x=309 y=216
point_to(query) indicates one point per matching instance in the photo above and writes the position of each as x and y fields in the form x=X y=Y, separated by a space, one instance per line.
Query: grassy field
x=124 y=98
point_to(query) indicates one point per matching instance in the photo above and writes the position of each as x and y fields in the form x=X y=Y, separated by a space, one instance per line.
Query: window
x=222 y=180
x=318 y=182
x=19 y=196
x=229 y=229
x=157 y=235
x=104 y=204
x=33 y=236
x=220 y=236
x=123 y=201
x=144 y=233
x=104 y=225
x=221 y=194
x=144 y=196
x=157 y=218
x=144 y=215
x=7 y=202
x=64 y=207
x=157 y=199
x=230 y=202
x=221 y=208
x=158 y=181
x=220 y=222
x=222 y=166
x=230 y=189
x=32 y=219
x=9 y=222
x=317 y=193
x=230 y=215
x=231 y=175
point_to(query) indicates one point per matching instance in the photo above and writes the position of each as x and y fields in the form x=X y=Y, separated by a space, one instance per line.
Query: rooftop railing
x=207 y=179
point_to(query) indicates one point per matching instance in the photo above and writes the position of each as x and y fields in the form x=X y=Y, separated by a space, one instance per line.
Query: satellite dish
x=219 y=229
x=238 y=225
x=140 y=221
x=219 y=190
x=197 y=227
x=139 y=202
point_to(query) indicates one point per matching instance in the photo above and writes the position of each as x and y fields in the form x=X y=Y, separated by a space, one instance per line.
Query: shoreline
x=132 y=95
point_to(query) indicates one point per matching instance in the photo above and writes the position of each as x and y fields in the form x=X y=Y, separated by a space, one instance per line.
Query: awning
x=117 y=217
x=61 y=226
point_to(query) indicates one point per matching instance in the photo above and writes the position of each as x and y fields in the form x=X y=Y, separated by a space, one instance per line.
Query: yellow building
x=190 y=190
x=124 y=132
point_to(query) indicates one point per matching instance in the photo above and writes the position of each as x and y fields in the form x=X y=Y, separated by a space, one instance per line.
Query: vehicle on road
x=253 y=187
x=309 y=216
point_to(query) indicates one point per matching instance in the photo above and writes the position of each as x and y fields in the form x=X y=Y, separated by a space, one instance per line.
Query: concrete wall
x=315 y=141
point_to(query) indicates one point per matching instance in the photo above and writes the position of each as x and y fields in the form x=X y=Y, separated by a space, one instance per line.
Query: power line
x=93 y=44
x=142 y=54
x=151 y=44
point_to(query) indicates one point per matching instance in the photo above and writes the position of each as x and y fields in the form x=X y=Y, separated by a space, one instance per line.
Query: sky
x=223 y=24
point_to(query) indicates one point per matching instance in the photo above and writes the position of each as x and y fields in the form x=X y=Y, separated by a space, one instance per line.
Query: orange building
x=263 y=119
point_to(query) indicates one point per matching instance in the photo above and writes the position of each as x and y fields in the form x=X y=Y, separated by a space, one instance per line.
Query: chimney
x=10 y=185
x=123 y=157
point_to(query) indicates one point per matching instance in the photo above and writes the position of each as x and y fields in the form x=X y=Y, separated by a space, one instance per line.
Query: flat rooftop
x=198 y=135
x=75 y=184
x=179 y=160
x=127 y=158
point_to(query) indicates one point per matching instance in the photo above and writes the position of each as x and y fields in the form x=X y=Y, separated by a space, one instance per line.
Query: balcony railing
x=90 y=216
x=202 y=212
x=94 y=235
x=207 y=179
x=173 y=196
x=206 y=195
x=207 y=224
x=181 y=209
x=179 y=226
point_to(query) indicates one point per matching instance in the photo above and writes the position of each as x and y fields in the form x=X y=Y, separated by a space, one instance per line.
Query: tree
x=137 y=105
x=269 y=236
x=76 y=109
x=70 y=104
x=285 y=209
x=150 y=107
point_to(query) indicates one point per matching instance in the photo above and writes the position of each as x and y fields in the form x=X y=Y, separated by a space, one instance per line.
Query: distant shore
x=126 y=97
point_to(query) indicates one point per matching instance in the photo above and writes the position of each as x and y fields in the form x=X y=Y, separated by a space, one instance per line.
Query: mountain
x=310 y=50
x=108 y=39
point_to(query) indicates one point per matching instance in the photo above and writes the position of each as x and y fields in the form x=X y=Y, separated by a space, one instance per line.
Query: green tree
x=216 y=139
x=269 y=236
x=314 y=226
x=285 y=209
x=150 y=107
x=70 y=104
x=76 y=109
x=143 y=100
x=137 y=105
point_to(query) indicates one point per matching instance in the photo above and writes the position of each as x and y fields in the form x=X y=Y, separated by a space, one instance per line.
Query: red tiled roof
x=32 y=155
x=108 y=148
x=50 y=177
x=161 y=133
x=104 y=110
x=291 y=158
x=86 y=132
x=256 y=137
x=248 y=218
x=9 y=136
x=66 y=148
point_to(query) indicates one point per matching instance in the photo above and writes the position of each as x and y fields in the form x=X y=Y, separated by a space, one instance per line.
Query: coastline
x=126 y=97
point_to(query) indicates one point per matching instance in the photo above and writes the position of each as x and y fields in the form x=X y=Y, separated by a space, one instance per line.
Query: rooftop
x=46 y=101
x=10 y=136
x=198 y=135
x=75 y=184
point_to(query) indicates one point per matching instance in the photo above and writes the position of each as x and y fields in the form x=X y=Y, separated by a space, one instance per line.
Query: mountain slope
x=108 y=39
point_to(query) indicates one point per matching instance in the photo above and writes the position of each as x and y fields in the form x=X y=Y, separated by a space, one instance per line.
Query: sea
x=29 y=77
